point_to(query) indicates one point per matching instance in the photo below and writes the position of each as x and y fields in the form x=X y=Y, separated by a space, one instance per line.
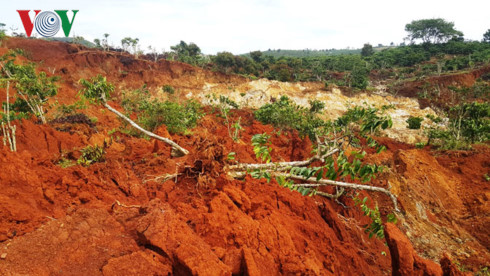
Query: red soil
x=442 y=84
x=118 y=218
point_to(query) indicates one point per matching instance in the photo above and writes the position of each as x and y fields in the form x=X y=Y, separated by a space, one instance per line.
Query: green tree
x=97 y=43
x=2 y=32
x=224 y=61
x=256 y=56
x=33 y=89
x=486 y=36
x=435 y=30
x=105 y=42
x=130 y=42
x=188 y=53
x=367 y=50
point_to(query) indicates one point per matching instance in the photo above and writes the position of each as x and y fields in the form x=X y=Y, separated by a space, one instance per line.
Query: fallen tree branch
x=279 y=166
x=342 y=184
x=177 y=151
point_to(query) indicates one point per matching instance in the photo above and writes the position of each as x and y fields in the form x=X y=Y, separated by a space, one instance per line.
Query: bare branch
x=343 y=184
x=279 y=166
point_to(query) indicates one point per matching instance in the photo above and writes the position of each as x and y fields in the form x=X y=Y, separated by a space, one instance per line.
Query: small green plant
x=316 y=106
x=461 y=267
x=487 y=177
x=420 y=145
x=66 y=163
x=261 y=143
x=64 y=110
x=484 y=271
x=376 y=227
x=433 y=118
x=90 y=155
x=224 y=105
x=237 y=128
x=231 y=156
x=168 y=89
x=131 y=100
x=414 y=122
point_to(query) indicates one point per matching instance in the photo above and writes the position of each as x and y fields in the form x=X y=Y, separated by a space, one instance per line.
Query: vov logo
x=47 y=23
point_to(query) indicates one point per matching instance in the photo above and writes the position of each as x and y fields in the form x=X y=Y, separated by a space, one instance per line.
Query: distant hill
x=309 y=53
x=277 y=53
x=79 y=40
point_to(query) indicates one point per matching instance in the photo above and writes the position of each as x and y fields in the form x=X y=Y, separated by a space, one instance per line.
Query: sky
x=242 y=26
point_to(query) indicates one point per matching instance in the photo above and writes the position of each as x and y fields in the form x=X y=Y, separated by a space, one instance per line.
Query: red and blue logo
x=47 y=23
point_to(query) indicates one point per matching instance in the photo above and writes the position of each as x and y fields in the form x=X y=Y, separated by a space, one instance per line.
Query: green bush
x=90 y=155
x=414 y=122
x=63 y=110
x=285 y=114
x=132 y=99
x=177 y=117
x=96 y=89
x=471 y=120
x=168 y=89
x=359 y=78
x=468 y=123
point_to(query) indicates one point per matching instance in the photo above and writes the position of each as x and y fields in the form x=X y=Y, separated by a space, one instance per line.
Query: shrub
x=359 y=78
x=471 y=120
x=368 y=118
x=261 y=143
x=168 y=89
x=316 y=106
x=285 y=114
x=90 y=155
x=131 y=100
x=96 y=89
x=468 y=123
x=177 y=117
x=420 y=145
x=414 y=122
x=63 y=110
